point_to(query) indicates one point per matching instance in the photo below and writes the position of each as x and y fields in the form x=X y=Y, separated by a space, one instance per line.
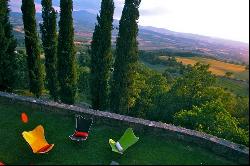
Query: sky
x=228 y=19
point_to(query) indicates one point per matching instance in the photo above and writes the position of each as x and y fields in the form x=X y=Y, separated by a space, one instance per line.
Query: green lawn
x=150 y=149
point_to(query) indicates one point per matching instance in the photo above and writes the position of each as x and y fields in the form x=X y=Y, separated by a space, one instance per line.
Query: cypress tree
x=49 y=39
x=8 y=64
x=126 y=59
x=32 y=47
x=66 y=54
x=101 y=56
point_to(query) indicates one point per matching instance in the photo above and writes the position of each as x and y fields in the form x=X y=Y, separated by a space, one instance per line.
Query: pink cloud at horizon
x=38 y=7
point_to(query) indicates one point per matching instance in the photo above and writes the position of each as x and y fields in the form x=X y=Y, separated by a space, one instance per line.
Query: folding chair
x=128 y=139
x=37 y=141
x=82 y=129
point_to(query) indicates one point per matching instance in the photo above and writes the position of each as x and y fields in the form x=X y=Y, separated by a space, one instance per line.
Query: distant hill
x=215 y=47
x=151 y=38
x=87 y=5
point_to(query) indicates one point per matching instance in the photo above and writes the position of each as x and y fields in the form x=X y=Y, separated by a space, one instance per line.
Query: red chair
x=82 y=129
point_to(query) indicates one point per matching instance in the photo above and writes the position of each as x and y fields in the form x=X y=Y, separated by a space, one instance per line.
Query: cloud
x=218 y=18
x=154 y=12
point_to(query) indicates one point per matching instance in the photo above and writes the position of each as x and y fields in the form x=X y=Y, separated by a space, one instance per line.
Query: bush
x=149 y=85
x=83 y=83
x=22 y=72
x=241 y=111
x=187 y=91
x=214 y=119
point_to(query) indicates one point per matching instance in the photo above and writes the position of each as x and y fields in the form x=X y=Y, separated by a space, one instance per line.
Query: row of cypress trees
x=126 y=57
x=60 y=60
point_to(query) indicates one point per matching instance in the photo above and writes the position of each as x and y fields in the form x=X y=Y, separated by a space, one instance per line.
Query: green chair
x=128 y=139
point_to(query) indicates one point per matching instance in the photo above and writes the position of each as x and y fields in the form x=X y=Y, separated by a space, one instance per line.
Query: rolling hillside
x=238 y=83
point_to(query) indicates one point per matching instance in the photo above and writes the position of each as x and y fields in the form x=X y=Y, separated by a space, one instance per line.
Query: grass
x=237 y=87
x=219 y=68
x=242 y=75
x=158 y=67
x=150 y=149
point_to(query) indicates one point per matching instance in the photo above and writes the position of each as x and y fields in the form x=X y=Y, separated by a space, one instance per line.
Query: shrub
x=214 y=119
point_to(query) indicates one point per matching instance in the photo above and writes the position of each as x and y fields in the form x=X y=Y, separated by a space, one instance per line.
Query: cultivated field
x=219 y=68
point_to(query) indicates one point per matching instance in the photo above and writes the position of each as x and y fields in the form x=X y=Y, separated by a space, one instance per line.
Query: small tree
x=83 y=82
x=32 y=47
x=247 y=67
x=228 y=74
x=49 y=39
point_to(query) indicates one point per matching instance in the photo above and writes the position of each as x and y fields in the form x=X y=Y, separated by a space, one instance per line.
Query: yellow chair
x=37 y=141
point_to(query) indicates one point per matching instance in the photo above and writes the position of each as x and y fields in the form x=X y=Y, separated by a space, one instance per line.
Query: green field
x=237 y=87
x=151 y=149
x=159 y=68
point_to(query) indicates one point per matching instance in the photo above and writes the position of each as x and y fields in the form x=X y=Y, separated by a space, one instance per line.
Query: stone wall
x=232 y=151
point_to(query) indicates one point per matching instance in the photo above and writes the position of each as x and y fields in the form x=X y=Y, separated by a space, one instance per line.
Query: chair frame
x=79 y=139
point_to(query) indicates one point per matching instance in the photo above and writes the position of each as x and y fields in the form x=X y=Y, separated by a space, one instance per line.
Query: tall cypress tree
x=49 y=39
x=32 y=47
x=66 y=54
x=8 y=65
x=101 y=56
x=126 y=59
